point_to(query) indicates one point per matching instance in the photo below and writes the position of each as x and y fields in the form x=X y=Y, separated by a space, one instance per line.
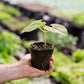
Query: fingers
x=26 y=59
x=42 y=73
x=51 y=64
x=51 y=67
x=52 y=59
x=28 y=56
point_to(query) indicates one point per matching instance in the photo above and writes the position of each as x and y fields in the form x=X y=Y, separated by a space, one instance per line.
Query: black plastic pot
x=40 y=57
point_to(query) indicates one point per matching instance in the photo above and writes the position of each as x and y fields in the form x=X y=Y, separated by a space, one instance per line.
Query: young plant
x=55 y=28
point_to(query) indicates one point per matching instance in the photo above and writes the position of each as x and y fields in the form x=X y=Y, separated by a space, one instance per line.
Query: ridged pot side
x=40 y=55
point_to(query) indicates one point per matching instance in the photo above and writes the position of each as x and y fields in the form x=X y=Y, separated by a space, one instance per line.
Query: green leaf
x=57 y=29
x=60 y=28
x=33 y=26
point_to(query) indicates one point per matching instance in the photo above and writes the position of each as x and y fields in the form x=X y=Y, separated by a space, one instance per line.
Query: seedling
x=41 y=55
x=55 y=28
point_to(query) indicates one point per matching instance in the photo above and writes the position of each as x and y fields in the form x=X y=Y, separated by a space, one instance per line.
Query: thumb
x=26 y=57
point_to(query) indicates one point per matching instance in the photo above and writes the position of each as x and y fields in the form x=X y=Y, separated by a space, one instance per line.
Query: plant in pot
x=41 y=52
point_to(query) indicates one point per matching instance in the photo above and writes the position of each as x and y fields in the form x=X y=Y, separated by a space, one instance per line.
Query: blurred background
x=69 y=51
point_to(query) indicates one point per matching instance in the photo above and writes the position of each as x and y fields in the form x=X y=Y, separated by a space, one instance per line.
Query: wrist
x=16 y=71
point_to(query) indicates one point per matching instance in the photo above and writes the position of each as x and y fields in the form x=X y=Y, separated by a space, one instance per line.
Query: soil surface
x=41 y=46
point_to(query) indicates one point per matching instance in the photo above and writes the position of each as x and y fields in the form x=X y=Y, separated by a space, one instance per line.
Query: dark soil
x=41 y=46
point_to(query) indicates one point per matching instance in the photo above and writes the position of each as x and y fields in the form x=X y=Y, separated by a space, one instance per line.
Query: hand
x=22 y=69
x=31 y=72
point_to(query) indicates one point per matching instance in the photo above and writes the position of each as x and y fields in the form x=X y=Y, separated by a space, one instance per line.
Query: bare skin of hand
x=22 y=69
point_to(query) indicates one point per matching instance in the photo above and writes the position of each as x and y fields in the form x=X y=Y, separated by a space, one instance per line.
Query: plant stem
x=41 y=29
x=45 y=37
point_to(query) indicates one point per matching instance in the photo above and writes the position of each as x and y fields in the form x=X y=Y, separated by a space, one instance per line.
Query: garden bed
x=46 y=13
x=14 y=21
x=39 y=8
x=19 y=24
